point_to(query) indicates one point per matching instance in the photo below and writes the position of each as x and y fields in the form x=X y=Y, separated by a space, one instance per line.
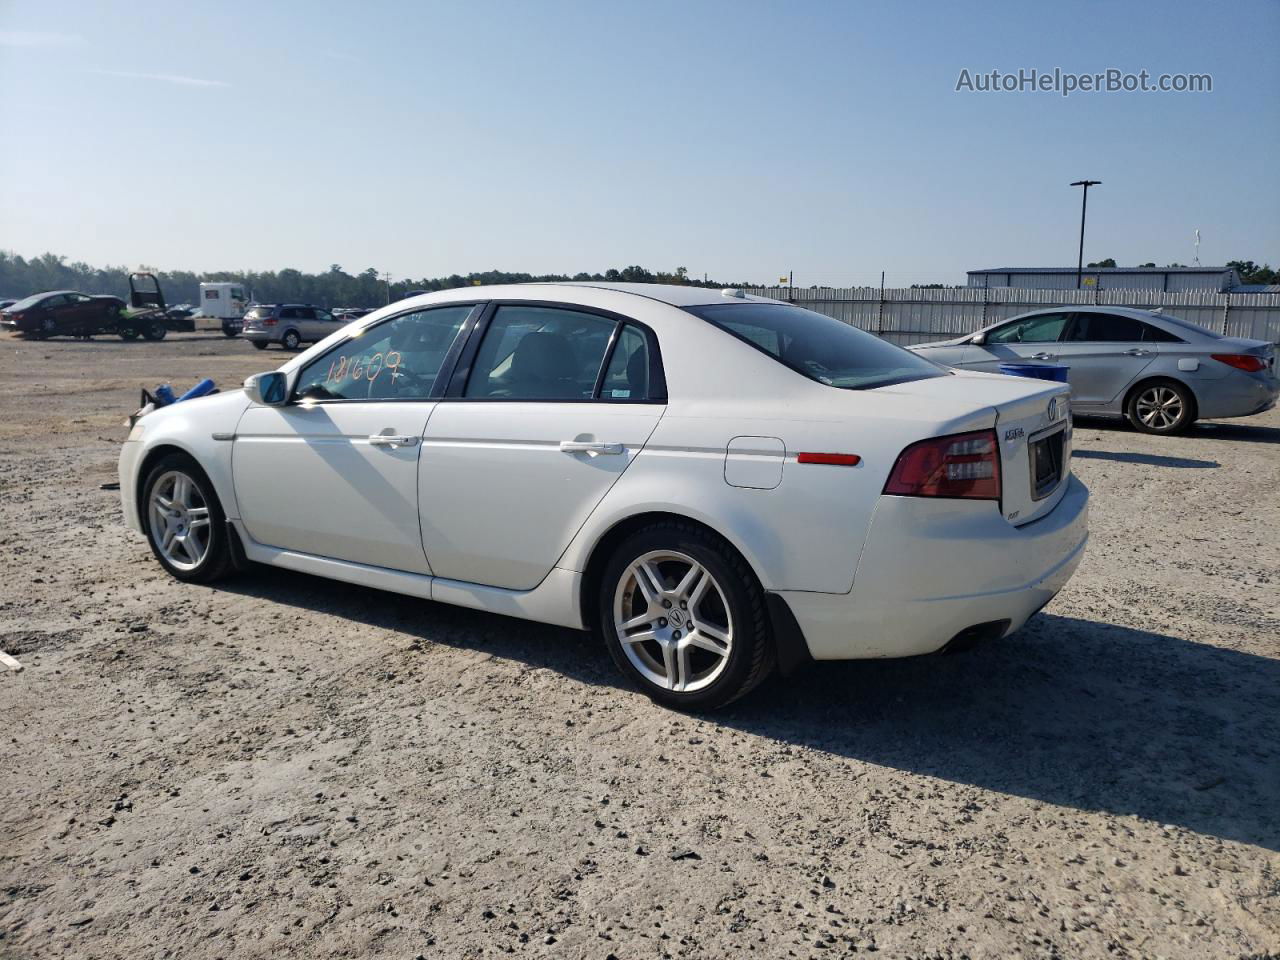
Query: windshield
x=29 y=302
x=819 y=347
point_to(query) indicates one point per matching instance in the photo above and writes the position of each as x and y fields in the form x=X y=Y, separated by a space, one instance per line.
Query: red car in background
x=63 y=312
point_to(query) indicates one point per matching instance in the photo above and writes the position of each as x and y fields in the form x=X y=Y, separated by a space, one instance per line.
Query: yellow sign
x=1090 y=281
x=782 y=279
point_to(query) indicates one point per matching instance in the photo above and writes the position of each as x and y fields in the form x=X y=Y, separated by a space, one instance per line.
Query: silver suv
x=288 y=324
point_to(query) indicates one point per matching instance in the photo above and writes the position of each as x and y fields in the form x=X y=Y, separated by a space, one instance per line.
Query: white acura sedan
x=717 y=483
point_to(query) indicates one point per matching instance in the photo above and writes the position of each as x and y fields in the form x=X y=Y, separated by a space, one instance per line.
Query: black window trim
x=656 y=394
x=442 y=377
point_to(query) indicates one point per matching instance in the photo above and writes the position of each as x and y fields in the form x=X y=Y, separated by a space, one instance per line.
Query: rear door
x=1031 y=339
x=1105 y=353
x=549 y=406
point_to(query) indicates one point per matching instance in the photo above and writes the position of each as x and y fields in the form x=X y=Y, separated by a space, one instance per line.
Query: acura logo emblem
x=676 y=617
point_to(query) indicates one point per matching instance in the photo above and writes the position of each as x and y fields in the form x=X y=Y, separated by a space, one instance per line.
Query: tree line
x=335 y=287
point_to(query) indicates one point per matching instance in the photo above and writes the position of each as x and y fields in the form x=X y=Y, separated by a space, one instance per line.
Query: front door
x=334 y=472
x=556 y=406
x=1105 y=353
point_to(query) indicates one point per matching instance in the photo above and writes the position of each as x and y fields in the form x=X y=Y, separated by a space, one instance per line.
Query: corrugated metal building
x=1163 y=279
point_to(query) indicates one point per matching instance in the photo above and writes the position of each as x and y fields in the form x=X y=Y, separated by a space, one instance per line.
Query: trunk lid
x=1032 y=427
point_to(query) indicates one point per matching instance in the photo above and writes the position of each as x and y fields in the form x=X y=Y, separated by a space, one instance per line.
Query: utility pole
x=387 y=277
x=1084 y=205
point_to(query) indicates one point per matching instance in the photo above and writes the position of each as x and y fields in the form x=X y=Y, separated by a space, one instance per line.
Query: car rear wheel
x=1161 y=406
x=154 y=330
x=291 y=340
x=229 y=331
x=48 y=327
x=186 y=527
x=128 y=333
x=259 y=344
x=684 y=617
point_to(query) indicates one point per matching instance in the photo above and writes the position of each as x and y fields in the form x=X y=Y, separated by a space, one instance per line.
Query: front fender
x=191 y=427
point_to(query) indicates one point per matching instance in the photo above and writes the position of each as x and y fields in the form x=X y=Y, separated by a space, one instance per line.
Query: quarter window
x=540 y=353
x=1044 y=328
x=398 y=359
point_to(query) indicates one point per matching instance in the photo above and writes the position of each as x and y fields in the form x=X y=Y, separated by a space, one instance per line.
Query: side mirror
x=978 y=339
x=269 y=389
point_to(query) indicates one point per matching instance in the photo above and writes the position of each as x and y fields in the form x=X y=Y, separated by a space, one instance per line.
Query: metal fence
x=910 y=315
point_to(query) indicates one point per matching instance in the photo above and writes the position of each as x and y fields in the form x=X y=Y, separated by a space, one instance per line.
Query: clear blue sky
x=741 y=139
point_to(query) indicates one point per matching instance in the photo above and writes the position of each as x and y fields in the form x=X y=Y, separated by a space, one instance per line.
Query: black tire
x=217 y=559
x=48 y=328
x=128 y=333
x=259 y=344
x=1151 y=403
x=229 y=331
x=291 y=340
x=739 y=598
x=154 y=330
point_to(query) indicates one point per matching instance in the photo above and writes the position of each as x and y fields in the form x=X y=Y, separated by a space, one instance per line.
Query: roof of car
x=677 y=295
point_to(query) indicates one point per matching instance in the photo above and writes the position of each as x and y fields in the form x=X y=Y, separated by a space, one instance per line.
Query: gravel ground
x=289 y=766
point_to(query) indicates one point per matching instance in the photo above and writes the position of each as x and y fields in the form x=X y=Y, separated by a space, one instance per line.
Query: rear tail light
x=963 y=465
x=1241 y=361
x=269 y=321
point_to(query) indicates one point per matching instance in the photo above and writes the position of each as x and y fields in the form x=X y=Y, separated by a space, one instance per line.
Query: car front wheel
x=1161 y=406
x=684 y=617
x=291 y=340
x=186 y=527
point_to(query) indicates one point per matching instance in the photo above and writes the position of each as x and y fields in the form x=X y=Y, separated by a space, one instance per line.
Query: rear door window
x=540 y=353
x=1106 y=328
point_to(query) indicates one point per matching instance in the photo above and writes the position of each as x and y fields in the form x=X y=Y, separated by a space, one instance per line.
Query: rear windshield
x=29 y=302
x=258 y=313
x=821 y=348
x=1188 y=325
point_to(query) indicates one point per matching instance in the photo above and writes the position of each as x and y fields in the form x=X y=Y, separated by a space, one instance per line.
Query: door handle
x=587 y=446
x=388 y=440
x=1137 y=352
x=1042 y=356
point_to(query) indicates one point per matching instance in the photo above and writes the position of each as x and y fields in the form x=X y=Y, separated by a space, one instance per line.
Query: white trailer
x=226 y=302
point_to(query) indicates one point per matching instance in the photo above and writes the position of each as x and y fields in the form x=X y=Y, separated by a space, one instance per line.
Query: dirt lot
x=289 y=766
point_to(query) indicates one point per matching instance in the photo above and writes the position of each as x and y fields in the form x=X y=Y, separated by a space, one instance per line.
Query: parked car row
x=68 y=313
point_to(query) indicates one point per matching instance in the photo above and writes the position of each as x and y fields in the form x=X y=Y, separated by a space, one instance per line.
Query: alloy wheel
x=1159 y=407
x=673 y=622
x=180 y=525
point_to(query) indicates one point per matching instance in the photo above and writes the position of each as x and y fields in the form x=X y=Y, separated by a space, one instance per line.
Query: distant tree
x=1151 y=264
x=1250 y=272
x=1109 y=262
x=334 y=287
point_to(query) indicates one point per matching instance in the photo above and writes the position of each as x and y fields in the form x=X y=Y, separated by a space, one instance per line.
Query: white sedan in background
x=716 y=483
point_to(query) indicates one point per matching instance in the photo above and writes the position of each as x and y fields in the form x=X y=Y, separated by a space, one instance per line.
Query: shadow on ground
x=1147 y=459
x=1068 y=711
x=1242 y=429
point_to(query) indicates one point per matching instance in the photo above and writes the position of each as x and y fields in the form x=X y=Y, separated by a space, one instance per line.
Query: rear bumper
x=1237 y=394
x=931 y=569
x=268 y=335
